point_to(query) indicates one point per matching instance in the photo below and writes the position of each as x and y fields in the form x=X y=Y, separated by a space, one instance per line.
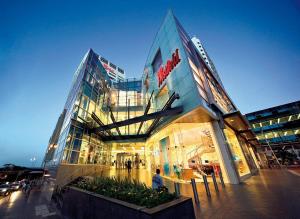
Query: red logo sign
x=164 y=71
x=107 y=68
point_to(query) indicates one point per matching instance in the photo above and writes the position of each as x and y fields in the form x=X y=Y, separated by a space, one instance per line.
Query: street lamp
x=32 y=160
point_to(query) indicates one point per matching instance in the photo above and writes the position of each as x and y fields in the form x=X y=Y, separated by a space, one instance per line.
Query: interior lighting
x=260 y=124
x=271 y=122
x=298 y=116
x=278 y=120
x=285 y=133
x=290 y=118
x=296 y=132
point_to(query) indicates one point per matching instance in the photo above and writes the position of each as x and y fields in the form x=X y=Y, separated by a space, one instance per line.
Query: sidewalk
x=270 y=194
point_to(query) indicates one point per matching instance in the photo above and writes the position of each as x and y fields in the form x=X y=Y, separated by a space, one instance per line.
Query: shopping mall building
x=177 y=117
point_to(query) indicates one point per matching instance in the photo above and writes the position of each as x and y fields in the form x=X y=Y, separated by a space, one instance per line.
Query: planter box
x=81 y=204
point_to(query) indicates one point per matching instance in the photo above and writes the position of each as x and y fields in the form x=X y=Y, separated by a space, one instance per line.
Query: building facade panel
x=278 y=131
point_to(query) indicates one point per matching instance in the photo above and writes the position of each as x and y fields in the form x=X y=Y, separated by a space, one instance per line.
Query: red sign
x=107 y=68
x=164 y=71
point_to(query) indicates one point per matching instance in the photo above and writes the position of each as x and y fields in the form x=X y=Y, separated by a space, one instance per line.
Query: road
x=36 y=205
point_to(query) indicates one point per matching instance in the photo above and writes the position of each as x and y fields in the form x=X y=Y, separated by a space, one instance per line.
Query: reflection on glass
x=236 y=151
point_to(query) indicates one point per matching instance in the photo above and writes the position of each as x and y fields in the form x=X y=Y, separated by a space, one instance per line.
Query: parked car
x=15 y=186
x=5 y=189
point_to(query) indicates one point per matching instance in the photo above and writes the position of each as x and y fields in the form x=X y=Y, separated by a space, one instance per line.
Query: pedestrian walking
x=27 y=189
x=129 y=165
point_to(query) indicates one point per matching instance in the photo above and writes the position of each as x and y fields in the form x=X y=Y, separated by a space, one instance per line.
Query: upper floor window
x=104 y=60
x=121 y=70
x=157 y=61
x=112 y=65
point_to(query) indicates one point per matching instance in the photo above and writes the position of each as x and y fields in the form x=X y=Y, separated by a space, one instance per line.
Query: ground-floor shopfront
x=181 y=150
x=187 y=150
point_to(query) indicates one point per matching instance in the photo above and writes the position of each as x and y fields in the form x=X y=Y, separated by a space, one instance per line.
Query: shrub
x=126 y=190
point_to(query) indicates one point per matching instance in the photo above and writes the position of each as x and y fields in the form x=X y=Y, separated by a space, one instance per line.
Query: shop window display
x=246 y=149
x=184 y=151
x=237 y=153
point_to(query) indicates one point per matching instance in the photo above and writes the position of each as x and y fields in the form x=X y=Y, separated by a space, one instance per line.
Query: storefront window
x=247 y=153
x=236 y=151
x=184 y=150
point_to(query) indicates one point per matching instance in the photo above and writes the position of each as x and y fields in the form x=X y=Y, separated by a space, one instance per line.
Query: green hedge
x=126 y=190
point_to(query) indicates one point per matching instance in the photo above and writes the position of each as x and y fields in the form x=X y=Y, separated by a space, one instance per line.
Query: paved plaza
x=270 y=194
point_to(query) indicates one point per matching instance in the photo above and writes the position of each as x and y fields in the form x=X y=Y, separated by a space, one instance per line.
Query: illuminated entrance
x=180 y=150
x=121 y=153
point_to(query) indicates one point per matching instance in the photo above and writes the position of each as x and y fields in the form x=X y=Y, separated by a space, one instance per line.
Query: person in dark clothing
x=129 y=165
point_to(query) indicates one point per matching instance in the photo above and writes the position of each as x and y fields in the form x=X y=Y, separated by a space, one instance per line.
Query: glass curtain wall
x=274 y=130
x=237 y=152
x=183 y=150
x=246 y=149
x=127 y=102
x=76 y=145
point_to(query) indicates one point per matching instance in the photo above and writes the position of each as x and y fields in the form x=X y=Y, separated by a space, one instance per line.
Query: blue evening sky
x=255 y=46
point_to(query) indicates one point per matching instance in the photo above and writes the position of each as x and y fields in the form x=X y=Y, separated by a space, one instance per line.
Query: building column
x=226 y=162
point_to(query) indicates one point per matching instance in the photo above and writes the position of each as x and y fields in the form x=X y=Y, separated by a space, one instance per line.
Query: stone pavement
x=270 y=194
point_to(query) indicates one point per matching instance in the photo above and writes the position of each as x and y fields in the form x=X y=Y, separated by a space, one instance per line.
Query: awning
x=240 y=125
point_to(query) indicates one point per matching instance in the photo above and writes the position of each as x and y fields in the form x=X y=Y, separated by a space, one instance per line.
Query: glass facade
x=278 y=128
x=172 y=124
x=278 y=124
x=189 y=147
x=89 y=94
x=237 y=152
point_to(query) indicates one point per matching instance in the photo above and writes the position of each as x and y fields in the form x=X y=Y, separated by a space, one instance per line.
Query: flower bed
x=125 y=190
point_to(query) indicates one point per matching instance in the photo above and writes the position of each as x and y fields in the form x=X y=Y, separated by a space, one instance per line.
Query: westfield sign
x=164 y=71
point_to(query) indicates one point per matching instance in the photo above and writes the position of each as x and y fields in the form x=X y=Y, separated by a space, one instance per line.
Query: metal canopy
x=97 y=120
x=159 y=114
x=167 y=106
x=141 y=137
x=114 y=120
x=240 y=125
x=156 y=116
x=145 y=113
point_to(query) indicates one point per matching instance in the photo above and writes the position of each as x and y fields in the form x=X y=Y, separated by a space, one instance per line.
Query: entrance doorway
x=122 y=153
x=137 y=161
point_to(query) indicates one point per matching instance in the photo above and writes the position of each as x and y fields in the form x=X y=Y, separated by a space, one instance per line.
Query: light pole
x=32 y=160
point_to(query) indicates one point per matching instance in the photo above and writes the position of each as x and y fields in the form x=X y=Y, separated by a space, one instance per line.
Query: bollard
x=197 y=201
x=221 y=179
x=215 y=181
x=206 y=185
x=177 y=189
